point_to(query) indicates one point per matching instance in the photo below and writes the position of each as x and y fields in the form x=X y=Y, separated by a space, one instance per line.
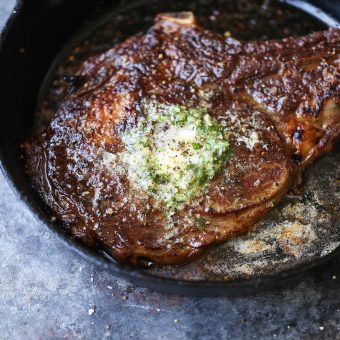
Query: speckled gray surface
x=49 y=292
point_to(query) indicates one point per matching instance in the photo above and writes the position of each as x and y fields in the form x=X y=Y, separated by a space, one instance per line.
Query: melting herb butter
x=174 y=152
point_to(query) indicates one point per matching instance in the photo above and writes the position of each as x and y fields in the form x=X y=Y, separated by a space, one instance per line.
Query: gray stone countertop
x=49 y=292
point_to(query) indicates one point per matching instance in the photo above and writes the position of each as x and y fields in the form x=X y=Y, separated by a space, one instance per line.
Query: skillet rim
x=138 y=276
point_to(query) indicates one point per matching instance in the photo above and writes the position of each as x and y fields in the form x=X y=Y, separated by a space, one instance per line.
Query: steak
x=277 y=101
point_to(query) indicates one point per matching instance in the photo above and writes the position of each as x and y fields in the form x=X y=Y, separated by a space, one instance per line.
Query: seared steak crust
x=286 y=93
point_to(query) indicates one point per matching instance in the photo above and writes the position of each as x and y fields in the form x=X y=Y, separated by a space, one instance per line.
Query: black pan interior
x=28 y=60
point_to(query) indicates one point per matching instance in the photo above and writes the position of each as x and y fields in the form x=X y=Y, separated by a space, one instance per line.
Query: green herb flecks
x=174 y=152
x=201 y=223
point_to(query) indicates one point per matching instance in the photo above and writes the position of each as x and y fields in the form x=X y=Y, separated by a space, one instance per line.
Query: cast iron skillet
x=34 y=34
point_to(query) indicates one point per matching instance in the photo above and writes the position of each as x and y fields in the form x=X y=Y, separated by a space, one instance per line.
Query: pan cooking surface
x=299 y=229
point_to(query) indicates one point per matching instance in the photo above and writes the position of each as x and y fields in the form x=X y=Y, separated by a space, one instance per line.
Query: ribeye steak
x=180 y=138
